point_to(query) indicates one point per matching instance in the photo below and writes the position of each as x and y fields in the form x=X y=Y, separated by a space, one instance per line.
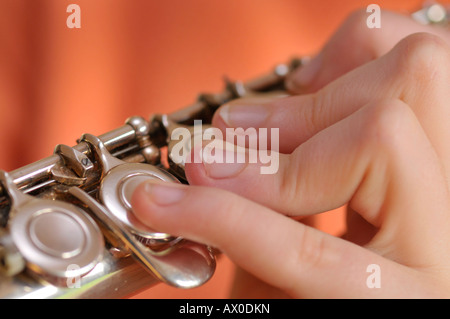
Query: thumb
x=286 y=254
x=353 y=45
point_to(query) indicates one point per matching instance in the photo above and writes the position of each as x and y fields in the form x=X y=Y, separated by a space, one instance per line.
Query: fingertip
x=214 y=162
x=218 y=120
x=291 y=85
x=141 y=204
x=196 y=174
x=151 y=199
x=194 y=169
x=303 y=78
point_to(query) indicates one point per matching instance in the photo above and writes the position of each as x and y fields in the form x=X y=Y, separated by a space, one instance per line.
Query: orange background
x=140 y=57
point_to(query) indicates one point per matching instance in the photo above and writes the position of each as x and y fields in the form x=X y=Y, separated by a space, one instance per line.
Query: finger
x=416 y=71
x=355 y=44
x=282 y=252
x=370 y=160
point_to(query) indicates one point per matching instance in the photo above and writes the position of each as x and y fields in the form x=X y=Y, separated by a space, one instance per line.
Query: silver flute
x=67 y=229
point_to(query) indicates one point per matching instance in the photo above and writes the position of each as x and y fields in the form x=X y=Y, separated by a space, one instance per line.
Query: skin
x=370 y=132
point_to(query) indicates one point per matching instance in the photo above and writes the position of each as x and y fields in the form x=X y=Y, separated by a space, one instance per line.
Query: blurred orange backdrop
x=141 y=57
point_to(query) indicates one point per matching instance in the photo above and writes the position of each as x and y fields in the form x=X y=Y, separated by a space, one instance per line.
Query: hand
x=376 y=139
x=353 y=45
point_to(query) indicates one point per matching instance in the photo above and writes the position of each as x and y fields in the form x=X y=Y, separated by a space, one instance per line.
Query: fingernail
x=165 y=193
x=305 y=75
x=225 y=163
x=245 y=113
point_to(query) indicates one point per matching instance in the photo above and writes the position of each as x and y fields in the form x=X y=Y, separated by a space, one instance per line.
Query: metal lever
x=73 y=161
x=185 y=266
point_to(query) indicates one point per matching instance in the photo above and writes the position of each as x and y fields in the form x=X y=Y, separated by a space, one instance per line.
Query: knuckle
x=423 y=57
x=387 y=125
